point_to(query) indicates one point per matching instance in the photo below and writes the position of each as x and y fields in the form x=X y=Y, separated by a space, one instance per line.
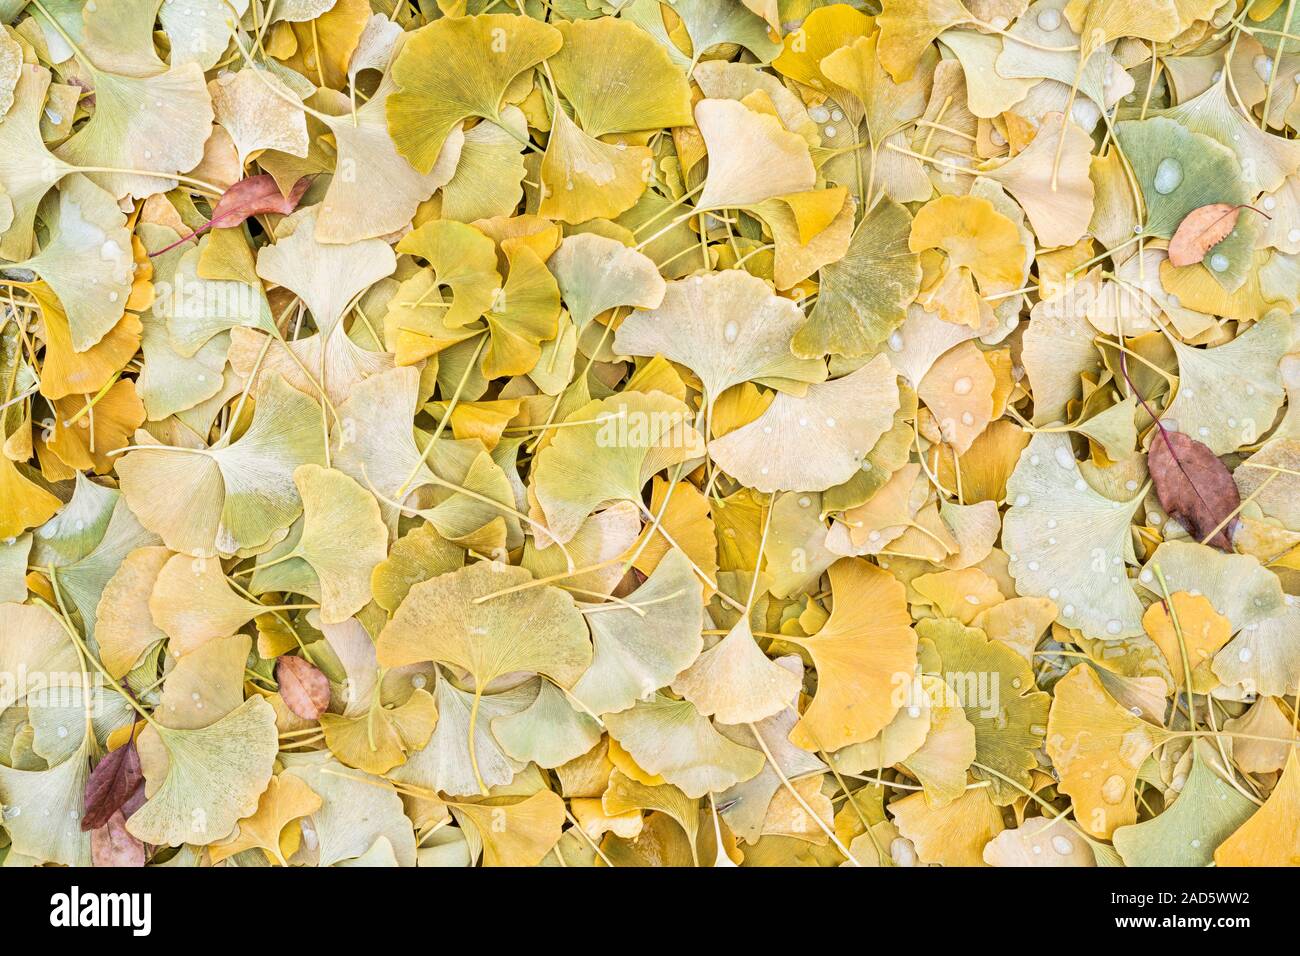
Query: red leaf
x=1202 y=229
x=254 y=196
x=1194 y=486
x=306 y=691
x=111 y=784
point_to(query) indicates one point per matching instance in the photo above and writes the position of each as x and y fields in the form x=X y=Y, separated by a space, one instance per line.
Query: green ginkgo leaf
x=234 y=495
x=608 y=453
x=1069 y=543
x=864 y=296
x=87 y=261
x=596 y=274
x=455 y=68
x=672 y=739
x=1011 y=721
x=213 y=777
x=637 y=653
x=548 y=732
x=1206 y=812
x=1179 y=171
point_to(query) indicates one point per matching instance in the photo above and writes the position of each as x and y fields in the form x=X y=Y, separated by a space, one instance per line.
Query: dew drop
x=1064 y=457
x=1062 y=845
x=1245 y=654
x=730 y=331
x=1218 y=262
x=962 y=386
x=1294 y=234
x=1169 y=176
x=1114 y=627
x=1067 y=611
x=1049 y=19
x=1021 y=501
x=1263 y=67
x=896 y=341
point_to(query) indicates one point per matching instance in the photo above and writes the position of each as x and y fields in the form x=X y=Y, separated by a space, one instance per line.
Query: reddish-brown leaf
x=306 y=691
x=111 y=784
x=1194 y=486
x=254 y=196
x=1201 y=230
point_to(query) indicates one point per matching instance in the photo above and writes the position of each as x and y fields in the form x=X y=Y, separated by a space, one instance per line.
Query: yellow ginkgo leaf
x=974 y=235
x=862 y=658
x=1098 y=747
x=455 y=68
x=285 y=800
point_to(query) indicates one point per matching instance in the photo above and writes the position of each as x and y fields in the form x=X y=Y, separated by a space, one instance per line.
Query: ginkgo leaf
x=596 y=274
x=618 y=79
x=256 y=109
x=734 y=681
x=821 y=438
x=637 y=434
x=515 y=832
x=285 y=799
x=327 y=277
x=1229 y=396
x=906 y=32
x=1060 y=209
x=343 y=539
x=367 y=165
x=954 y=834
x=864 y=295
x=1069 y=543
x=1179 y=170
x=1269 y=837
x=156 y=124
x=27 y=169
x=214 y=776
x=670 y=738
x=728 y=328
x=732 y=134
x=1188 y=833
x=455 y=68
x=549 y=732
x=87 y=261
x=635 y=654
x=858 y=657
x=1010 y=723
x=1098 y=747
x=235 y=495
x=538 y=630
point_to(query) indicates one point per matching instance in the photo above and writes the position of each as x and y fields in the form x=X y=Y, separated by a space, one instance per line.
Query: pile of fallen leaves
x=669 y=432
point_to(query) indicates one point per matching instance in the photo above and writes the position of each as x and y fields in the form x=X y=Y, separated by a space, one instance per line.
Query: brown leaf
x=112 y=845
x=1201 y=230
x=306 y=691
x=111 y=784
x=1194 y=486
x=254 y=196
